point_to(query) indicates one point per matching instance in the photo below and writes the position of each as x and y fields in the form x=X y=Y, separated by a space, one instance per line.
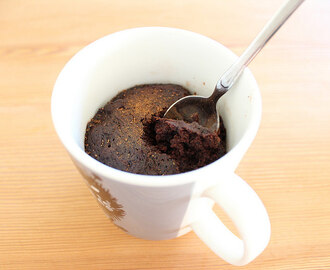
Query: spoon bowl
x=195 y=109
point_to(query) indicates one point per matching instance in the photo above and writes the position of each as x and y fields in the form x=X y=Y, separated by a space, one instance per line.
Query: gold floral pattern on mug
x=109 y=203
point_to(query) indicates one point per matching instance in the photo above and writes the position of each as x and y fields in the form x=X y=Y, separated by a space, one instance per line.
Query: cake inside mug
x=130 y=134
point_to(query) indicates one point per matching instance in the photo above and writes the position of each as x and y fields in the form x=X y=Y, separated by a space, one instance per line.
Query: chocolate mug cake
x=129 y=134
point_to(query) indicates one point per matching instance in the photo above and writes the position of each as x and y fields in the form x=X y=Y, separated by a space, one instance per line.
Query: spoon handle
x=230 y=76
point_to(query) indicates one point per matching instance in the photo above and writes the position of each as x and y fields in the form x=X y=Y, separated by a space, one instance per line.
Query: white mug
x=164 y=207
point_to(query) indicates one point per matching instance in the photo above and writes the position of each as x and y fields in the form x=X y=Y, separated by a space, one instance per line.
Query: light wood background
x=48 y=218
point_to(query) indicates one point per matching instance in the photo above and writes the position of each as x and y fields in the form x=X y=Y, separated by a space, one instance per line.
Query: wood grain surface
x=48 y=218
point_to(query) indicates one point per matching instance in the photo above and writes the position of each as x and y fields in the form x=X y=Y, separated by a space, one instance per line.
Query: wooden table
x=48 y=218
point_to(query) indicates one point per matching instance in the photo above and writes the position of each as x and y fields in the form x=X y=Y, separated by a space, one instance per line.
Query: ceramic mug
x=164 y=207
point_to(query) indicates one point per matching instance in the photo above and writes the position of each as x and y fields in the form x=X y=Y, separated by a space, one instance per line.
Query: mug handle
x=245 y=209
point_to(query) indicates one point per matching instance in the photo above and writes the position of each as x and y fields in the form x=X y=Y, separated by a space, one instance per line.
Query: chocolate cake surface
x=128 y=134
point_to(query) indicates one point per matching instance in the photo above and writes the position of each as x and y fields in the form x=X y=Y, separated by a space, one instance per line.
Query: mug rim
x=105 y=171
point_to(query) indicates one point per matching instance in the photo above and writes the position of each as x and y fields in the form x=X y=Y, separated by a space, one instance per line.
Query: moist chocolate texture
x=129 y=134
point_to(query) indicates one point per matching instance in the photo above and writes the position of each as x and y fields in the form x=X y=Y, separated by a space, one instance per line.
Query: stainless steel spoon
x=203 y=109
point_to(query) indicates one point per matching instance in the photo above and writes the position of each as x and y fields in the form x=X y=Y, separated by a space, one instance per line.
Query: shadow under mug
x=164 y=207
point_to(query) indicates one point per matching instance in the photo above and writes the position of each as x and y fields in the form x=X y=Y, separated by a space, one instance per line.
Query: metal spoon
x=203 y=109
